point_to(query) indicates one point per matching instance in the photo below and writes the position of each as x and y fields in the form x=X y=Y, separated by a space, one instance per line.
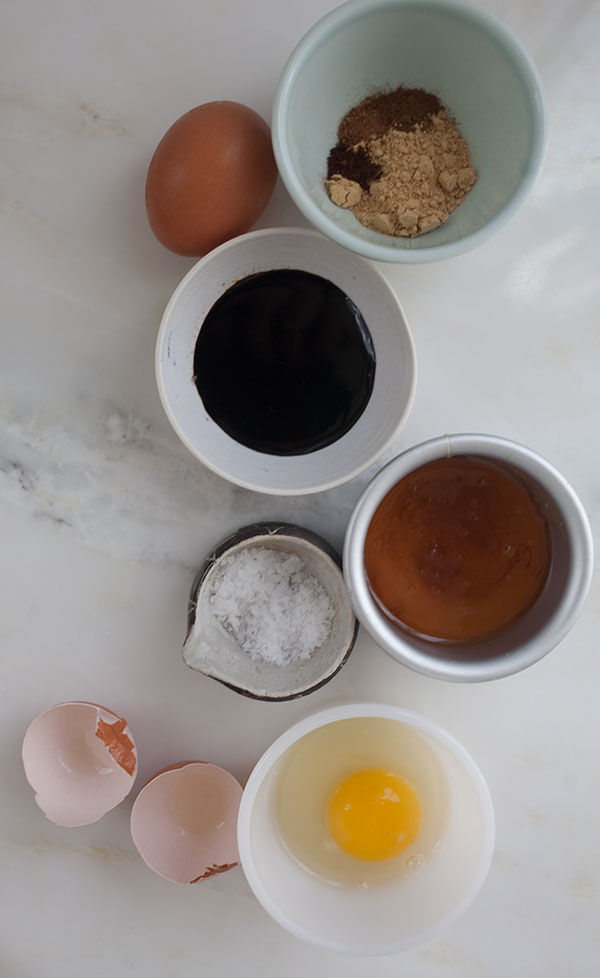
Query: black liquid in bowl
x=284 y=362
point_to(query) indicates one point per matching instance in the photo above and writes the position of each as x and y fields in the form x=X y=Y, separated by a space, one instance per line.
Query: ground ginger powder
x=424 y=171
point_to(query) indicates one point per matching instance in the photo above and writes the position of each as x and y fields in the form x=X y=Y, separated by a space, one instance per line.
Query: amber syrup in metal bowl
x=284 y=362
x=458 y=550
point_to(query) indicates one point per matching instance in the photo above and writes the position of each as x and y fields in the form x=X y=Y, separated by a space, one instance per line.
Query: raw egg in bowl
x=366 y=829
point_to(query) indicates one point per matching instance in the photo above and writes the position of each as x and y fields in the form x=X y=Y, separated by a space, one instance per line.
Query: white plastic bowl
x=395 y=372
x=385 y=918
x=453 y=48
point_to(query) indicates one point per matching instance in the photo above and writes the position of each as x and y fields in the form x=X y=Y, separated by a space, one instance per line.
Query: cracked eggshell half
x=81 y=761
x=184 y=821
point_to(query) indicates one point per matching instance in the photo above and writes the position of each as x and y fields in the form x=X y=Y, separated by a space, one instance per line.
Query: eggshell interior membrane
x=81 y=761
x=184 y=822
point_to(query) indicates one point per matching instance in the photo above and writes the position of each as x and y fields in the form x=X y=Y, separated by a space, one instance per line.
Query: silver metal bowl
x=534 y=634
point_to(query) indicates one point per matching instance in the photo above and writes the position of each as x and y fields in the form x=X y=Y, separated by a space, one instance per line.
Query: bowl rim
x=321 y=31
x=252 y=534
x=400 y=646
x=349 y=711
x=383 y=285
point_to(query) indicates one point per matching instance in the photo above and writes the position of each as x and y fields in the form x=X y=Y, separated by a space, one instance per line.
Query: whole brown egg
x=210 y=178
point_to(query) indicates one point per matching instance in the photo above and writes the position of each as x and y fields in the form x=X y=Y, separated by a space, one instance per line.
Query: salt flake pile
x=271 y=604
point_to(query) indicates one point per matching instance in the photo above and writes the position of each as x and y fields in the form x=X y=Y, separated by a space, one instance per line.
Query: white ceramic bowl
x=387 y=917
x=453 y=48
x=547 y=621
x=395 y=373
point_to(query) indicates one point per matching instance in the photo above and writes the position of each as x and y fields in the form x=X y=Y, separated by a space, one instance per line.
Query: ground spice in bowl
x=400 y=163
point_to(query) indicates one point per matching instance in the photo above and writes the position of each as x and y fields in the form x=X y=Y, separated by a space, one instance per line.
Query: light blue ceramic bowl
x=450 y=47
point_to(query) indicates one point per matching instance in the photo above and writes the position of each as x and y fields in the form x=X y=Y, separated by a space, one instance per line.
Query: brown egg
x=210 y=178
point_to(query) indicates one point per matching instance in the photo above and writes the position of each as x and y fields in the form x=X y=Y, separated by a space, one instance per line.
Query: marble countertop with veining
x=104 y=515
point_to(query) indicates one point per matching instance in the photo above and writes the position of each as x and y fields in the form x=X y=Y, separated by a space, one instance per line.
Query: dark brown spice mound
x=353 y=164
x=404 y=109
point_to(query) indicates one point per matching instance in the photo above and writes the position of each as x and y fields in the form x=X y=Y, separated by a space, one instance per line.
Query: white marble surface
x=104 y=515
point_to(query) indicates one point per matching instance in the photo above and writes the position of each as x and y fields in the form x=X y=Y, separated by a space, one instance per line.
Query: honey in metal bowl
x=458 y=550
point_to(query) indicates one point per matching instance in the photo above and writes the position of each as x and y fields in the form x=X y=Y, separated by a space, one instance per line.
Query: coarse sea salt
x=271 y=604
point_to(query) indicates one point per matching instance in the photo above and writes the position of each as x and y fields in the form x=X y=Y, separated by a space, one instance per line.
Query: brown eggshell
x=210 y=178
x=184 y=821
x=81 y=761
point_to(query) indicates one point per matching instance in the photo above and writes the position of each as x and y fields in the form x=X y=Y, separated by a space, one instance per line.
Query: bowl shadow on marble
x=212 y=651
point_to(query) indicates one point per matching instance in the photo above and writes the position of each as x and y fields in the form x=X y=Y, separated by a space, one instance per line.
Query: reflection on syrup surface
x=458 y=550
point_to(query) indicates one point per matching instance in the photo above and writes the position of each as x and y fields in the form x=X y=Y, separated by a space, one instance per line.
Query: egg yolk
x=374 y=815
